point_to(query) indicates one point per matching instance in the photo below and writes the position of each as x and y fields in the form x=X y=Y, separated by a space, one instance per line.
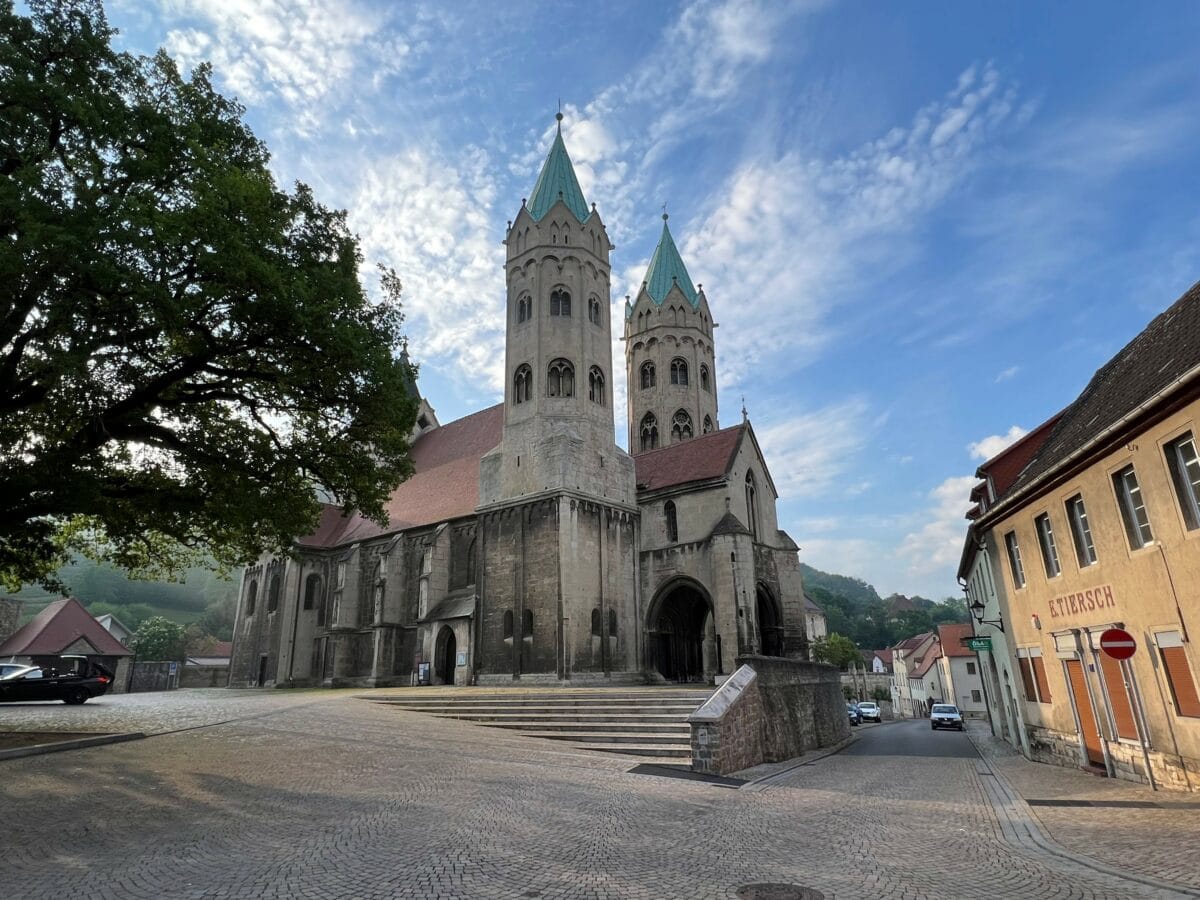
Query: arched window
x=708 y=425
x=523 y=384
x=752 y=505
x=527 y=641
x=612 y=624
x=596 y=385
x=524 y=309
x=508 y=624
x=273 y=594
x=594 y=311
x=596 y=620
x=560 y=379
x=649 y=432
x=679 y=372
x=704 y=378
x=251 y=598
x=471 y=562
x=672 y=521
x=681 y=426
x=560 y=303
x=527 y=625
x=312 y=585
x=648 y=379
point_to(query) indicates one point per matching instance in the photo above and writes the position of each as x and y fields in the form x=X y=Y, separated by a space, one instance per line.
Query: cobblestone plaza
x=306 y=794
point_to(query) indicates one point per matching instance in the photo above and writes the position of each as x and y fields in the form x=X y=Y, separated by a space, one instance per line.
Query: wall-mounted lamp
x=977 y=611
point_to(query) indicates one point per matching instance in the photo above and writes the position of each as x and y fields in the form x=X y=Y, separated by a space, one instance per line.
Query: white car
x=945 y=715
x=870 y=712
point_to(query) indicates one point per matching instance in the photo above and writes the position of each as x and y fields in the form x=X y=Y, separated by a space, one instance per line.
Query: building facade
x=528 y=547
x=1097 y=530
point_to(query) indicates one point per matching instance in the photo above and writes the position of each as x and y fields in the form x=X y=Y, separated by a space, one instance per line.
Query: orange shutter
x=1027 y=679
x=1179 y=676
x=1039 y=673
x=1118 y=697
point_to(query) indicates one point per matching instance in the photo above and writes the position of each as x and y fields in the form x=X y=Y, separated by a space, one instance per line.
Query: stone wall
x=204 y=676
x=769 y=710
x=154 y=676
x=1171 y=772
x=10 y=614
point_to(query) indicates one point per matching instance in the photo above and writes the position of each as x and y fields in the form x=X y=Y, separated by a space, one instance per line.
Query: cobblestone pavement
x=327 y=796
x=1143 y=840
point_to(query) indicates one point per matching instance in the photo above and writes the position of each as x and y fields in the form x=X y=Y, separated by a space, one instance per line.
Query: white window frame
x=1081 y=532
x=1185 y=476
x=1015 y=566
x=1130 y=502
x=1045 y=533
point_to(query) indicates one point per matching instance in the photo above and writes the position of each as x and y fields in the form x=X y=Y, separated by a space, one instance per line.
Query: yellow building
x=1100 y=530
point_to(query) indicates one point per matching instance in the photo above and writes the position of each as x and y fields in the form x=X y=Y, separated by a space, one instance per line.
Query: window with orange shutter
x=1039 y=676
x=1179 y=677
x=1027 y=679
x=1118 y=697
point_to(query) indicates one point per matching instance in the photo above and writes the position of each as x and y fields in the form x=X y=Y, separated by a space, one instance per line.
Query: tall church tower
x=669 y=359
x=557 y=497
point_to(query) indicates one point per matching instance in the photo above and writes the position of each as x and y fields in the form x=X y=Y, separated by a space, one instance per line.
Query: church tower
x=557 y=497
x=669 y=359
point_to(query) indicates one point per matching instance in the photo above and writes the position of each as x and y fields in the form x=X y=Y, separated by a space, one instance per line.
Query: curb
x=1022 y=829
x=78 y=744
x=765 y=781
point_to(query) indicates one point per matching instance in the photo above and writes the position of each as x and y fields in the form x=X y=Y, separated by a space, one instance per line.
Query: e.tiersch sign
x=1082 y=602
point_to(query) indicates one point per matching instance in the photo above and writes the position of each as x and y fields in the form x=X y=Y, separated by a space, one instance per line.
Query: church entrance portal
x=447 y=650
x=770 y=624
x=677 y=634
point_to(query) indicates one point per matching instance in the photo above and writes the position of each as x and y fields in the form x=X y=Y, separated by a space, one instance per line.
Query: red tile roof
x=444 y=485
x=927 y=661
x=885 y=656
x=1006 y=466
x=56 y=628
x=702 y=458
x=952 y=637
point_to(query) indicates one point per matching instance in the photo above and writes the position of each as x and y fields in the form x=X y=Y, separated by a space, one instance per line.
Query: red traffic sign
x=1118 y=643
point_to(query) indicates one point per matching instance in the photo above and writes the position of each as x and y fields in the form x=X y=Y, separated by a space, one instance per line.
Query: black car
x=75 y=682
x=855 y=715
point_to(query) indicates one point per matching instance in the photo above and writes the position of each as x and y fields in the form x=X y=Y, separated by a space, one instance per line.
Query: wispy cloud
x=809 y=452
x=992 y=444
x=935 y=546
x=1008 y=373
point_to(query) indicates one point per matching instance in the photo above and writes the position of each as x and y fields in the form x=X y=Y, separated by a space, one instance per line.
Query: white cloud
x=992 y=444
x=936 y=546
x=794 y=232
x=431 y=221
x=299 y=50
x=809 y=453
x=1008 y=373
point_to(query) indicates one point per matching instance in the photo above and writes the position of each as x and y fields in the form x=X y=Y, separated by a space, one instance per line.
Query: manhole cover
x=778 y=892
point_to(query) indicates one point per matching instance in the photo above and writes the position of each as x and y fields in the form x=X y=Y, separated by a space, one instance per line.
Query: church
x=528 y=547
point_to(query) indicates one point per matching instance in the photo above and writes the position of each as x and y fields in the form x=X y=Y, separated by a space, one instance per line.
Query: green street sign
x=979 y=643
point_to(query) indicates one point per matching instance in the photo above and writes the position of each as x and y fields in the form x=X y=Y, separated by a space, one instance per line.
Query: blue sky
x=921 y=227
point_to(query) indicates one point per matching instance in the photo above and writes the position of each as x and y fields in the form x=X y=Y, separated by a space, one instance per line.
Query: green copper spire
x=667 y=269
x=558 y=182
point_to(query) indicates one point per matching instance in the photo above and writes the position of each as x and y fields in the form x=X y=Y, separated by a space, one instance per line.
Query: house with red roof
x=66 y=628
x=527 y=547
x=962 y=678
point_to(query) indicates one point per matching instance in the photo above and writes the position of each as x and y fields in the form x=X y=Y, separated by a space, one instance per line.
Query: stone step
x=638 y=702
x=589 y=712
x=574 y=725
x=534 y=715
x=678 y=752
x=609 y=737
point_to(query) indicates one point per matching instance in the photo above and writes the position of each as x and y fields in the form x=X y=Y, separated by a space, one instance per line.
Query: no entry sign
x=1118 y=643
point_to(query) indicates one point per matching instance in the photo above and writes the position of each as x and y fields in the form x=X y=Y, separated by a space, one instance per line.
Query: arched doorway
x=770 y=623
x=447 y=650
x=678 y=622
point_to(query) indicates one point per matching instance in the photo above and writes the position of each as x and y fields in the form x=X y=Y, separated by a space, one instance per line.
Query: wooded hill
x=854 y=608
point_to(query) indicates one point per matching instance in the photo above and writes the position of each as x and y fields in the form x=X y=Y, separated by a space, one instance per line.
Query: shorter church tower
x=669 y=359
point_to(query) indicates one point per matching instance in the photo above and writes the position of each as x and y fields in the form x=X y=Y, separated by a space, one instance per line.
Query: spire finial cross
x=559 y=116
x=664 y=208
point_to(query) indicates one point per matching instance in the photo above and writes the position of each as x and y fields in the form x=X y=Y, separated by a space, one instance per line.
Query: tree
x=837 y=650
x=186 y=351
x=158 y=638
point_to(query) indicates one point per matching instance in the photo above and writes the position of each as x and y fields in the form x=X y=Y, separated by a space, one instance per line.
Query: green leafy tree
x=132 y=615
x=835 y=649
x=159 y=638
x=186 y=351
x=880 y=694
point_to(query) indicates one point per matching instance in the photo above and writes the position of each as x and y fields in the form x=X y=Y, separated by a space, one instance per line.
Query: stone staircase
x=645 y=722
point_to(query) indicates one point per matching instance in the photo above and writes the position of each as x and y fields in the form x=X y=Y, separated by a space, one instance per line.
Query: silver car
x=870 y=711
x=945 y=715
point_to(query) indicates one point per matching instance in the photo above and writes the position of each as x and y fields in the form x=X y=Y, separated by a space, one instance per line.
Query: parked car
x=870 y=712
x=945 y=715
x=74 y=683
x=855 y=716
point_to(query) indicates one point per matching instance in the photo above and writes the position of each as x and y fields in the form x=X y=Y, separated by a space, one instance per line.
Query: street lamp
x=977 y=611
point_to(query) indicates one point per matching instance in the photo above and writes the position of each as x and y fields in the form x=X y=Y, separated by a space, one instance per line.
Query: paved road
x=912 y=737
x=327 y=796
